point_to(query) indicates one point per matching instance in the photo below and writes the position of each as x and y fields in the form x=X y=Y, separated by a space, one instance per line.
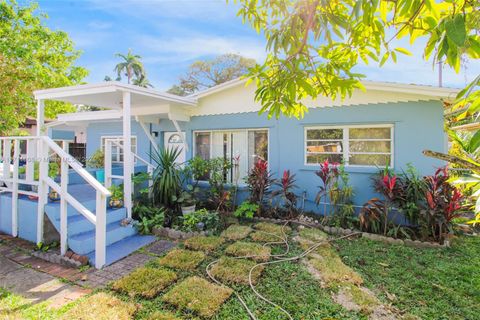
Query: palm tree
x=142 y=82
x=130 y=66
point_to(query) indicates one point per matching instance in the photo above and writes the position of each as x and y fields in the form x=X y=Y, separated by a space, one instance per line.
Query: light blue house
x=387 y=124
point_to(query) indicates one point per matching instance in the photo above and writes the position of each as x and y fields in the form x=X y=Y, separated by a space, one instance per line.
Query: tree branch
x=452 y=159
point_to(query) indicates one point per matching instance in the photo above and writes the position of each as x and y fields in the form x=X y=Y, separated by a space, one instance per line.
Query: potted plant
x=97 y=161
x=187 y=200
x=53 y=171
x=116 y=199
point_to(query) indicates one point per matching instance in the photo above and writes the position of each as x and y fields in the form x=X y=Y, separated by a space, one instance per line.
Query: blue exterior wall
x=417 y=126
x=27 y=216
x=97 y=130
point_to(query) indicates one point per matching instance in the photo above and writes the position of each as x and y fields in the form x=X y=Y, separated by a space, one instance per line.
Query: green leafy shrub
x=166 y=177
x=148 y=218
x=97 y=160
x=246 y=210
x=200 y=219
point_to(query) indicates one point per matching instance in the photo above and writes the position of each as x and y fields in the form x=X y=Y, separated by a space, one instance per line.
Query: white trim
x=246 y=130
x=346 y=143
x=425 y=90
x=106 y=87
x=119 y=137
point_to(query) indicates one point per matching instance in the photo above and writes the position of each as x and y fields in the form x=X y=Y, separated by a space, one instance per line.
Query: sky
x=171 y=34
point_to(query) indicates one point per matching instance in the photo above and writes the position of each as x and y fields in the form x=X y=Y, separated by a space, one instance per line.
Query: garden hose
x=279 y=260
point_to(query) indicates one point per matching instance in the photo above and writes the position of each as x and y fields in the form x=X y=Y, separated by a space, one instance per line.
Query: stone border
x=175 y=234
x=69 y=260
x=371 y=236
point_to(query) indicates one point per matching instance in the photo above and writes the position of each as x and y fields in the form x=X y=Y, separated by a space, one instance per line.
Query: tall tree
x=206 y=74
x=314 y=44
x=130 y=66
x=142 y=82
x=32 y=57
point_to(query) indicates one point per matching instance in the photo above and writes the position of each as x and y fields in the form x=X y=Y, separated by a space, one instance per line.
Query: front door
x=175 y=140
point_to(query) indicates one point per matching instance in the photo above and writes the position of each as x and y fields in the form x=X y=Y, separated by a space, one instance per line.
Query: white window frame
x=346 y=143
x=247 y=130
x=119 y=137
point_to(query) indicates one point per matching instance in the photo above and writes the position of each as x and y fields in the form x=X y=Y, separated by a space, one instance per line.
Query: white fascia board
x=107 y=87
x=422 y=90
x=89 y=116
x=152 y=110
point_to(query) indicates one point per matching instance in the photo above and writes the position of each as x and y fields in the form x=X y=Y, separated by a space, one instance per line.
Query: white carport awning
x=146 y=103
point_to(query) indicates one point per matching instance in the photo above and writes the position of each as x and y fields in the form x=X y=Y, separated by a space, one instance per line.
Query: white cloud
x=195 y=46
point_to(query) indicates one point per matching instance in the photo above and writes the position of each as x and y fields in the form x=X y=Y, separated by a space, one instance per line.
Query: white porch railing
x=39 y=148
x=109 y=176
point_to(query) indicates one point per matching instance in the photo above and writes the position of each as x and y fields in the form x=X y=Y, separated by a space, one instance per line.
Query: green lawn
x=429 y=283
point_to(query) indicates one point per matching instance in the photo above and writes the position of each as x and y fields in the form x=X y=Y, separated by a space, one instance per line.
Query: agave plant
x=166 y=177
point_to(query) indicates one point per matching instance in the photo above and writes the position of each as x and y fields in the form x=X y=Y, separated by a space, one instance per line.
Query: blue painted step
x=123 y=248
x=120 y=240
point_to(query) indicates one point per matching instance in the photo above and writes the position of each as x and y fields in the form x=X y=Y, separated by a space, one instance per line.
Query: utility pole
x=440 y=80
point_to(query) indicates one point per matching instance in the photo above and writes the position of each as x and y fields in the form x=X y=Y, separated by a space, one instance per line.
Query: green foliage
x=205 y=74
x=246 y=210
x=27 y=65
x=166 y=177
x=131 y=66
x=53 y=170
x=148 y=217
x=341 y=199
x=219 y=196
x=116 y=191
x=200 y=220
x=97 y=160
x=313 y=46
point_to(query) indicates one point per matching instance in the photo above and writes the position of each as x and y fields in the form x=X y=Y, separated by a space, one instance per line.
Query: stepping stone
x=252 y=250
x=236 y=271
x=204 y=243
x=236 y=232
x=160 y=247
x=198 y=295
x=182 y=259
x=146 y=282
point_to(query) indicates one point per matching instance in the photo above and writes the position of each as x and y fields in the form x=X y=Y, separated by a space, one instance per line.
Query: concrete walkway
x=37 y=286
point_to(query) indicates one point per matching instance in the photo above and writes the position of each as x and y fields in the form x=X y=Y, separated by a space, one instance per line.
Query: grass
x=198 y=295
x=242 y=249
x=429 y=283
x=182 y=259
x=361 y=298
x=145 y=282
x=161 y=315
x=13 y=306
x=269 y=232
x=101 y=306
x=236 y=271
x=236 y=232
x=204 y=243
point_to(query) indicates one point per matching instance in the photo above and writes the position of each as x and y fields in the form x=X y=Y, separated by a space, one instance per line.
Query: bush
x=148 y=218
x=200 y=220
x=288 y=197
x=259 y=181
x=166 y=177
x=246 y=210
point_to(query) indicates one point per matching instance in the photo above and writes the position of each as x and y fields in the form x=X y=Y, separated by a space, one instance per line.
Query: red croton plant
x=328 y=173
x=440 y=203
x=444 y=203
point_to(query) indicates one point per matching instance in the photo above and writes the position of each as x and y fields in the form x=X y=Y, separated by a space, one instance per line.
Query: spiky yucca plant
x=166 y=177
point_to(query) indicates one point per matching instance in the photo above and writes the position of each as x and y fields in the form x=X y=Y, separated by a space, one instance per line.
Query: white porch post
x=42 y=155
x=127 y=153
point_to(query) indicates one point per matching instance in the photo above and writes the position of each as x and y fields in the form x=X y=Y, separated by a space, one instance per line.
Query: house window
x=241 y=147
x=352 y=145
x=117 y=152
